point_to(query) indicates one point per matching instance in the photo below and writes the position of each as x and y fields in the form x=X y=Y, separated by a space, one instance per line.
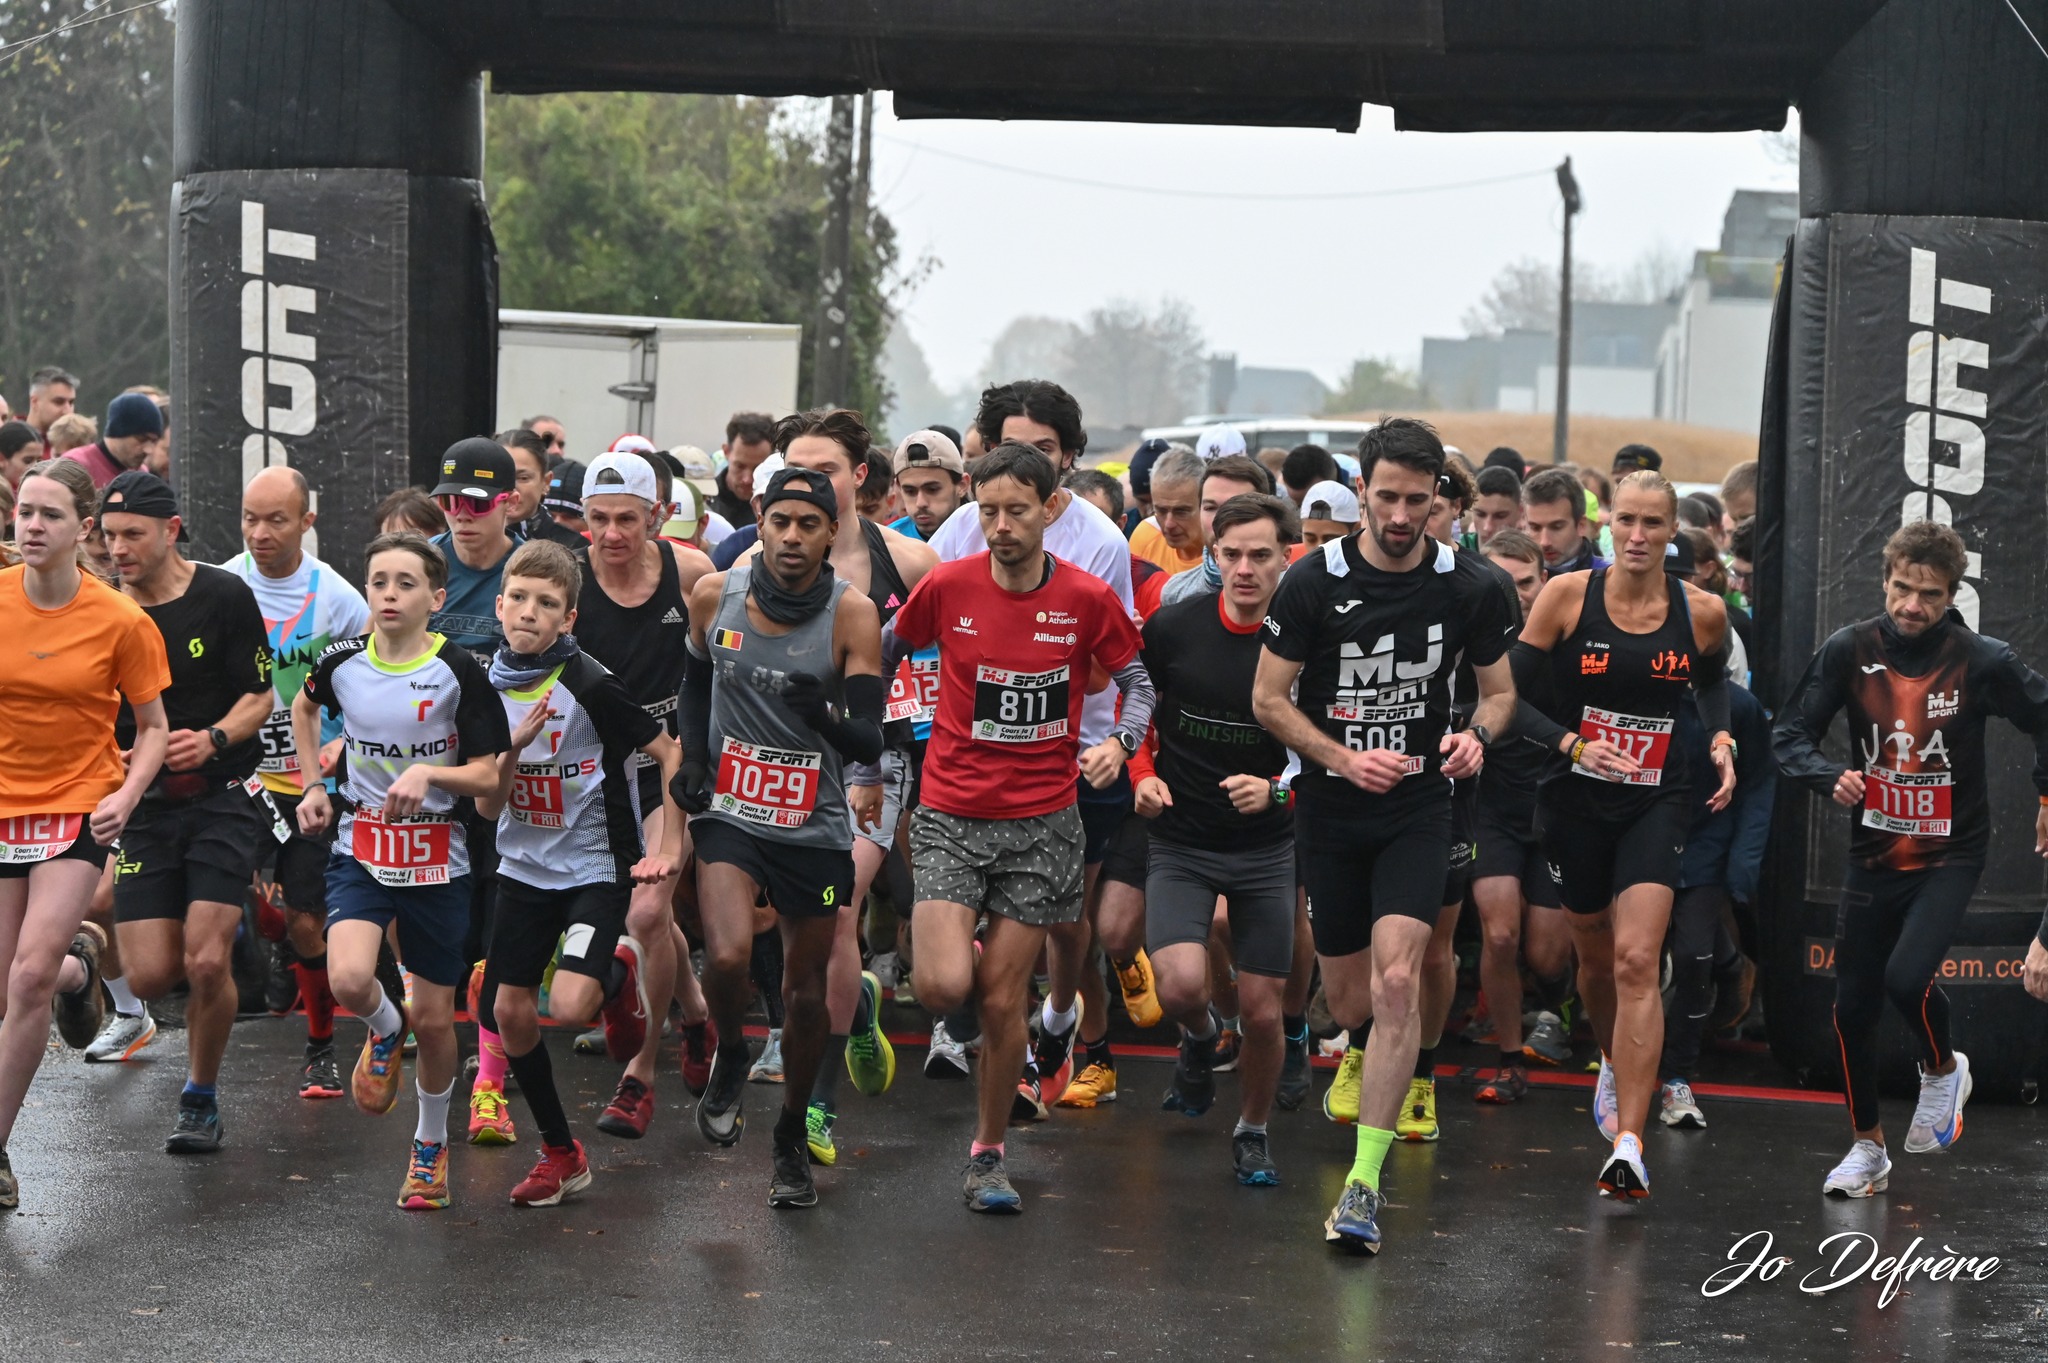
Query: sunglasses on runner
x=452 y=503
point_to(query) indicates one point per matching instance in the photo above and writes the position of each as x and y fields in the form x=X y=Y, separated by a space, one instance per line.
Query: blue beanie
x=132 y=414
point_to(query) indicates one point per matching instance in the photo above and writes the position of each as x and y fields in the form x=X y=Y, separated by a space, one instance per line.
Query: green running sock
x=1373 y=1144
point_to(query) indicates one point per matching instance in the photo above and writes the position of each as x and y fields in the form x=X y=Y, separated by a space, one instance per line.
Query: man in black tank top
x=1609 y=655
x=883 y=565
x=634 y=617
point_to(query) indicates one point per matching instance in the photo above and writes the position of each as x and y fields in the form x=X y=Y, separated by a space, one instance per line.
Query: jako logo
x=1944 y=412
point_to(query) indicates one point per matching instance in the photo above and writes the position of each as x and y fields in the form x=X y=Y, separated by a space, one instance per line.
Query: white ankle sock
x=125 y=1002
x=433 y=1123
x=385 y=1018
x=1059 y=1024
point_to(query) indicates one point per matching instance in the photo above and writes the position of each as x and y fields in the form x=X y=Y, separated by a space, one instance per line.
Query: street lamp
x=1568 y=186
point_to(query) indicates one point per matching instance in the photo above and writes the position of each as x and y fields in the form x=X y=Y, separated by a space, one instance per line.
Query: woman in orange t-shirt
x=70 y=648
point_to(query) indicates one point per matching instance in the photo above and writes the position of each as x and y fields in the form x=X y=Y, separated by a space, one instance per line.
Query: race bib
x=662 y=712
x=537 y=800
x=255 y=791
x=1915 y=803
x=402 y=851
x=280 y=754
x=28 y=838
x=1019 y=707
x=914 y=693
x=772 y=786
x=1648 y=741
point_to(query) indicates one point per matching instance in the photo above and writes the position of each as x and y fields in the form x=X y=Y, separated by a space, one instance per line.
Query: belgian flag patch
x=727 y=638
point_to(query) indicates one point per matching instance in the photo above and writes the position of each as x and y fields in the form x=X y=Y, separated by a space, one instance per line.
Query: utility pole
x=864 y=164
x=830 y=371
x=1568 y=186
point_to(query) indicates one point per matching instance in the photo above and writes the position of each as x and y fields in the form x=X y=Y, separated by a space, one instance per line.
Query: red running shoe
x=698 y=1044
x=559 y=1173
x=625 y=1016
x=631 y=1109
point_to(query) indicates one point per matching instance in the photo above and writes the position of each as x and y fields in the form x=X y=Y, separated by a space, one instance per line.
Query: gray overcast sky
x=1299 y=284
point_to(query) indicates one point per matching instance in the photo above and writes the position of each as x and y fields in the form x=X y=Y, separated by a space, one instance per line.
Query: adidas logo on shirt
x=674 y=617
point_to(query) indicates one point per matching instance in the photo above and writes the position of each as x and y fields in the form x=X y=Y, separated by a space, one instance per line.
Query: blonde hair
x=1650 y=481
x=73 y=430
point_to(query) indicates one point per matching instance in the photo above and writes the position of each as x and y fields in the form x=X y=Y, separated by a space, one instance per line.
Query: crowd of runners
x=1229 y=740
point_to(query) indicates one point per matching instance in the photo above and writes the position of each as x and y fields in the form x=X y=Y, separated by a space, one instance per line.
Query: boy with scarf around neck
x=783 y=687
x=569 y=848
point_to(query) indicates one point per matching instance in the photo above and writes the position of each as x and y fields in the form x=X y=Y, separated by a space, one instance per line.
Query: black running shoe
x=81 y=1012
x=1253 y=1162
x=1194 y=1082
x=720 y=1117
x=198 y=1131
x=280 y=981
x=793 y=1185
x=1296 y=1081
x=10 y=1191
x=322 y=1076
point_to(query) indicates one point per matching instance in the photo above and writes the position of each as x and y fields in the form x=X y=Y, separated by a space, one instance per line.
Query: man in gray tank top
x=782 y=687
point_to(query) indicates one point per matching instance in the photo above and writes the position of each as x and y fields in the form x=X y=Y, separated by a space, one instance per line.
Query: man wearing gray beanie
x=129 y=436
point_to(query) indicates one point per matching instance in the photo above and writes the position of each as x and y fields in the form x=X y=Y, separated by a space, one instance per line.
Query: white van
x=1338 y=437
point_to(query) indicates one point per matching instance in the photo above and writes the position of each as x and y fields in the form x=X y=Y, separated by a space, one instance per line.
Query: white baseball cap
x=614 y=475
x=1219 y=440
x=1328 y=501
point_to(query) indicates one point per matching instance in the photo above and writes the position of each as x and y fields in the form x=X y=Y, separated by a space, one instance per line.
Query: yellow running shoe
x=1417 y=1121
x=870 y=1059
x=1340 y=1103
x=818 y=1135
x=1141 y=999
x=490 y=1117
x=1096 y=1084
x=426 y=1178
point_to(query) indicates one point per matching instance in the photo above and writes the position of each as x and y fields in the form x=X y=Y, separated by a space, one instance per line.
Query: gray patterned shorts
x=1024 y=869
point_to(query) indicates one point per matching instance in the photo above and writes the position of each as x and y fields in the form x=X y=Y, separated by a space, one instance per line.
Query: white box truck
x=674 y=380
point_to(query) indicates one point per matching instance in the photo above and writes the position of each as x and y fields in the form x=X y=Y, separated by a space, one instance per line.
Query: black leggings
x=1700 y=949
x=1891 y=935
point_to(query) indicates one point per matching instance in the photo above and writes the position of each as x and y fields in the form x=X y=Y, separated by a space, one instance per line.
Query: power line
x=9 y=49
x=2027 y=26
x=1212 y=193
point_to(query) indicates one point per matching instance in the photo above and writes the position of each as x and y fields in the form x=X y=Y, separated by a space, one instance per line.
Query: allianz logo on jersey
x=1041 y=637
x=1357 y=669
x=1942 y=704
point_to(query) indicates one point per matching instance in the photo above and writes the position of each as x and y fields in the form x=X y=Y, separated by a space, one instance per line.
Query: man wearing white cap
x=1329 y=511
x=1217 y=441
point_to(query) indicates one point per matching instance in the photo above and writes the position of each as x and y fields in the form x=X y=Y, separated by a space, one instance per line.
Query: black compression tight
x=1700 y=946
x=1891 y=935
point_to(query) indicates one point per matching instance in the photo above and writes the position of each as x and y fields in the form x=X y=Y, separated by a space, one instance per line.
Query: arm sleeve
x=2020 y=694
x=481 y=729
x=693 y=706
x=857 y=732
x=1822 y=691
x=1144 y=762
x=1532 y=679
x=895 y=648
x=1136 y=684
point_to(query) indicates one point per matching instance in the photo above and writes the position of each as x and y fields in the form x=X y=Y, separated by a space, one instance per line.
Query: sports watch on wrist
x=219 y=737
x=1127 y=743
x=1483 y=734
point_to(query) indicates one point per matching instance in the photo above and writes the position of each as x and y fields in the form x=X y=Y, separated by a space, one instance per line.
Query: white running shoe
x=122 y=1037
x=1606 y=1103
x=768 y=1069
x=1866 y=1169
x=947 y=1058
x=1679 y=1109
x=1938 y=1117
x=1624 y=1176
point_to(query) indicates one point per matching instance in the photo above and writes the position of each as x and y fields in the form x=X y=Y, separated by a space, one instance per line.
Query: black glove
x=691 y=788
x=804 y=694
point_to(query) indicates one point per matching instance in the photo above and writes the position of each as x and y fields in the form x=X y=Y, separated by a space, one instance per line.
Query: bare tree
x=1135 y=366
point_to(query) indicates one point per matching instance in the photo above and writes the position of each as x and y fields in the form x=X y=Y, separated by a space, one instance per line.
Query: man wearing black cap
x=783 y=687
x=130 y=435
x=562 y=503
x=188 y=853
x=475 y=494
x=1632 y=458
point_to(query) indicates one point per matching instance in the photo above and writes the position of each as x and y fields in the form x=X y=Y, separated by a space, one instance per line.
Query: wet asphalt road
x=1136 y=1243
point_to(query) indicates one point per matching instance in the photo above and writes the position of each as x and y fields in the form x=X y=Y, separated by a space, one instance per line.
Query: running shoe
x=1193 y=1091
x=986 y=1186
x=629 y=1111
x=121 y=1038
x=280 y=981
x=1229 y=1046
x=818 y=1135
x=1340 y=1100
x=589 y=1043
x=625 y=1016
x=793 y=1185
x=1417 y=1121
x=1606 y=1103
x=1866 y=1169
x=1938 y=1116
x=1625 y=1176
x=1677 y=1107
x=870 y=1059
x=1029 y=1104
x=768 y=1069
x=947 y=1058
x=1140 y=991
x=1733 y=995
x=426 y=1178
x=379 y=1070
x=721 y=1115
x=490 y=1117
x=1353 y=1224
x=1054 y=1054
x=1510 y=1084
x=1296 y=1079
x=700 y=1042
x=10 y=1190
x=1253 y=1161
x=321 y=1078
x=82 y=1012
x=558 y=1173
x=1093 y=1086
x=198 y=1129
x=473 y=991
x=1548 y=1042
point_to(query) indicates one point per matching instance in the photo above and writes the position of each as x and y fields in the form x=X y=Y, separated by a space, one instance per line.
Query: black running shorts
x=1359 y=871
x=801 y=882
x=587 y=921
x=1595 y=858
x=1506 y=852
x=198 y=851
x=1257 y=884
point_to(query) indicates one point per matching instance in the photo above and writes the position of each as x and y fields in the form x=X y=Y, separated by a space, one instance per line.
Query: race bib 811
x=1020 y=707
